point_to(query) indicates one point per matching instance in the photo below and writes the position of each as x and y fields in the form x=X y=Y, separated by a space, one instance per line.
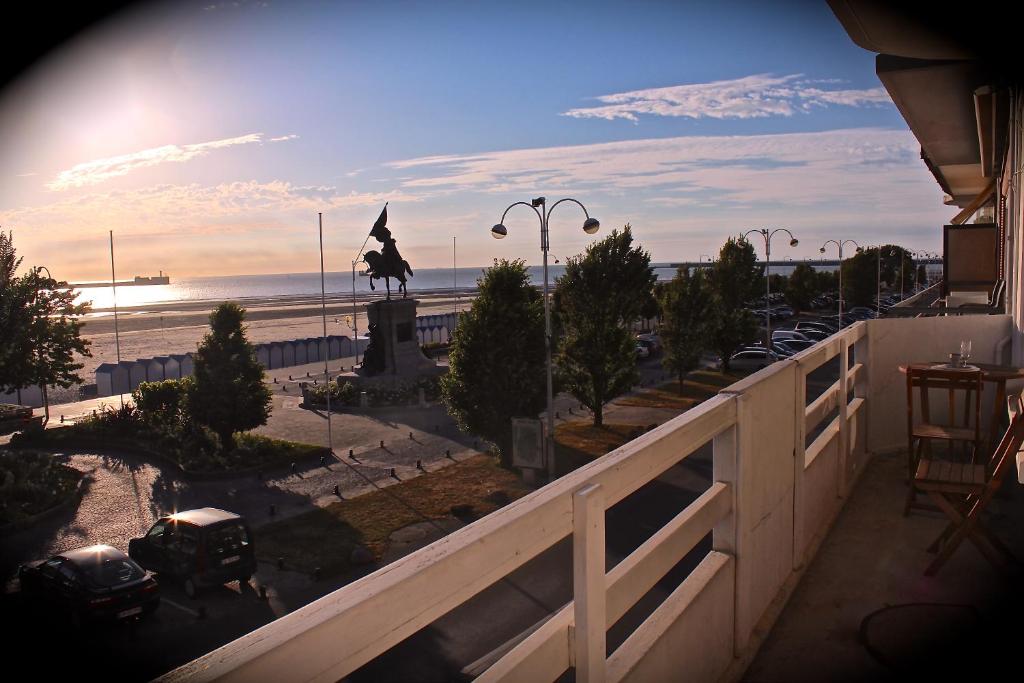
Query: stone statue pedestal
x=395 y=322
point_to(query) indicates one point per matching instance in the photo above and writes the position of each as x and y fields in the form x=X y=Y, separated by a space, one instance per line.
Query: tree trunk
x=227 y=441
x=599 y=415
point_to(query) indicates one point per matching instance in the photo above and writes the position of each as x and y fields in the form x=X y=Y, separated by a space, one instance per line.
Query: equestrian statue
x=387 y=263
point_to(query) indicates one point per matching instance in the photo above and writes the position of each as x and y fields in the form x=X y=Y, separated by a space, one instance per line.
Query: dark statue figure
x=373 y=357
x=387 y=263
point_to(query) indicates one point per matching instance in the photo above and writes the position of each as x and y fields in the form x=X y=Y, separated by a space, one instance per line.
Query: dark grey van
x=204 y=547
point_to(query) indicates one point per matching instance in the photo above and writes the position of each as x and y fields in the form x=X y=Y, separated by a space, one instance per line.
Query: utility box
x=528 y=443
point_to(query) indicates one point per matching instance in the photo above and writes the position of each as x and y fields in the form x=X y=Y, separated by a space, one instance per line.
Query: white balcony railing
x=772 y=499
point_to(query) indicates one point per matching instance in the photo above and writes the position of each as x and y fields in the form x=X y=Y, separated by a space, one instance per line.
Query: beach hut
x=333 y=347
x=136 y=372
x=105 y=379
x=287 y=354
x=276 y=356
x=312 y=350
x=187 y=365
x=420 y=336
x=346 y=347
x=172 y=367
x=184 y=364
x=442 y=335
x=155 y=369
x=263 y=356
x=301 y=351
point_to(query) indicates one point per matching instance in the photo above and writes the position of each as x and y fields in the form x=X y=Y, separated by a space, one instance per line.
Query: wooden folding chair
x=963 y=490
x=921 y=434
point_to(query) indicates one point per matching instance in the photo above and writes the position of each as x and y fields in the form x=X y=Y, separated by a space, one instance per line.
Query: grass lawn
x=577 y=443
x=325 y=537
x=699 y=386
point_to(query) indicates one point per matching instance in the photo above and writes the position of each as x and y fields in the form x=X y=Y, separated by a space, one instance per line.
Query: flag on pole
x=379 y=231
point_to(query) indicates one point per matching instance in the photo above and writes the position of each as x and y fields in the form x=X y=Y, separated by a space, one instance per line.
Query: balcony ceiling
x=931 y=63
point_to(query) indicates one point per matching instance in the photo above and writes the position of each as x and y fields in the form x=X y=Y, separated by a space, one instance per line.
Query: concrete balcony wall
x=773 y=498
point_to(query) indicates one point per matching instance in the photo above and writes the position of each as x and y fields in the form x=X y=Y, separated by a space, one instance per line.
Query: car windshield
x=109 y=572
x=229 y=537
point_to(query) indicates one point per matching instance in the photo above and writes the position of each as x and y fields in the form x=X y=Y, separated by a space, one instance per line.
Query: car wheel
x=191 y=589
x=242 y=580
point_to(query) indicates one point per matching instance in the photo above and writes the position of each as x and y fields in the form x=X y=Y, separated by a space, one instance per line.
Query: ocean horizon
x=283 y=285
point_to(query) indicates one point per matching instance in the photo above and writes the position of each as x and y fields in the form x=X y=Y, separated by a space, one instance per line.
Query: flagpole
x=326 y=346
x=113 y=286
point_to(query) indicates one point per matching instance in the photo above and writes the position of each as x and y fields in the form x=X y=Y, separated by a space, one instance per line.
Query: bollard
x=419 y=465
x=280 y=563
x=275 y=380
x=351 y=454
x=284 y=387
x=307 y=375
x=570 y=411
x=323 y=460
x=294 y=468
x=557 y=416
x=289 y=378
x=337 y=491
x=317 y=573
x=201 y=612
x=263 y=592
x=447 y=453
x=382 y=443
x=273 y=509
x=410 y=436
x=392 y=473
x=314 y=383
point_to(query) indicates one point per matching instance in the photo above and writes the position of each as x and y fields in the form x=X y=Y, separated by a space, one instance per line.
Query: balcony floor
x=874 y=558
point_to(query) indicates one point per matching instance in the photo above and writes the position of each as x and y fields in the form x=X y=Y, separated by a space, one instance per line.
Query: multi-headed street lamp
x=840 y=244
x=590 y=226
x=767 y=235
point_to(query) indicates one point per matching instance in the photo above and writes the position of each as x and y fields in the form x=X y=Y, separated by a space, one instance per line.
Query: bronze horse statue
x=379 y=267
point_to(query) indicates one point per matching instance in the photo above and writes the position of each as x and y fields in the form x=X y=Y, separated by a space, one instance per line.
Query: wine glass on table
x=965 y=351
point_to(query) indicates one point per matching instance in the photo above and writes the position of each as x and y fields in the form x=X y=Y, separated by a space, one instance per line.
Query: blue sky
x=208 y=135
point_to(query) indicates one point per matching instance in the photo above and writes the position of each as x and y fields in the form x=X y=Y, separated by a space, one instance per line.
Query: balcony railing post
x=844 y=427
x=589 y=583
x=799 y=457
x=725 y=469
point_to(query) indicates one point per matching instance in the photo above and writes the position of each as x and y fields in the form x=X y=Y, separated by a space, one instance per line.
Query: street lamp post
x=767 y=235
x=42 y=385
x=590 y=226
x=840 y=244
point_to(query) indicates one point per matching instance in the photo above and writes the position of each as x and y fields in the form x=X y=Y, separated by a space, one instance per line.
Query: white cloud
x=867 y=167
x=755 y=96
x=98 y=170
x=193 y=208
x=284 y=137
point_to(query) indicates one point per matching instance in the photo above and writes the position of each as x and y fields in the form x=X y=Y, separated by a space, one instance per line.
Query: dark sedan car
x=97 y=582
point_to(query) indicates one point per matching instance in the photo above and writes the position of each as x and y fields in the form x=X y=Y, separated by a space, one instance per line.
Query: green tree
x=734 y=280
x=496 y=357
x=227 y=393
x=41 y=328
x=922 y=275
x=860 y=278
x=601 y=294
x=686 y=305
x=802 y=287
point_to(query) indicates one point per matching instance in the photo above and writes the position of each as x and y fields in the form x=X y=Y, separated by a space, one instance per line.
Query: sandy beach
x=178 y=327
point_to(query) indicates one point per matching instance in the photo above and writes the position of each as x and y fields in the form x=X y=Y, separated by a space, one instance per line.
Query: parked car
x=798 y=345
x=201 y=548
x=642 y=351
x=98 y=582
x=651 y=341
x=752 y=359
x=814 y=325
x=14 y=417
x=787 y=334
